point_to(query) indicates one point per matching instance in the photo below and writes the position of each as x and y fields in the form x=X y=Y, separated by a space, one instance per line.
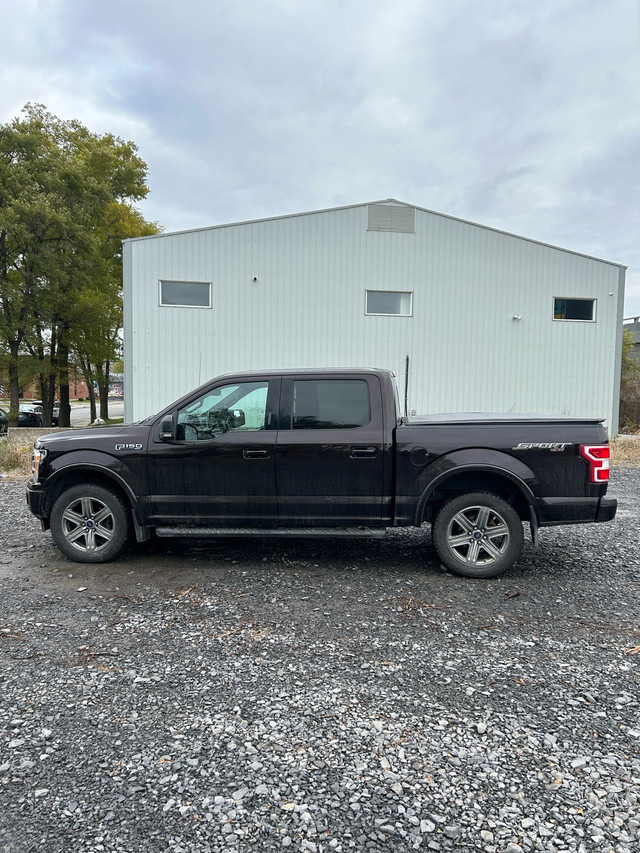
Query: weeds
x=15 y=454
x=625 y=451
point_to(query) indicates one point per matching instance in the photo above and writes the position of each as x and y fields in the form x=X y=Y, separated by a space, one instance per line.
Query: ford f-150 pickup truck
x=320 y=452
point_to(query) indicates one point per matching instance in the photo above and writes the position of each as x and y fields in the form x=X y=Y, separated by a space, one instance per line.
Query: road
x=80 y=412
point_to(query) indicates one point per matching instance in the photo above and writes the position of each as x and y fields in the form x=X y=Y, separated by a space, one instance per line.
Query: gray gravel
x=320 y=696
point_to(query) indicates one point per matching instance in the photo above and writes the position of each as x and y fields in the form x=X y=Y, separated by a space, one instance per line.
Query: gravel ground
x=320 y=696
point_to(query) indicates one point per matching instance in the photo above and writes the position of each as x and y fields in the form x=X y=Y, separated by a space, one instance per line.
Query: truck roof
x=291 y=371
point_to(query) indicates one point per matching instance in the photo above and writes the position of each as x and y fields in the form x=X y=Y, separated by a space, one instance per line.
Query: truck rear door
x=330 y=464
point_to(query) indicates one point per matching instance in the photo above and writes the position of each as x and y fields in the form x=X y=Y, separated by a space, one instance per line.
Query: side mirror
x=167 y=432
x=239 y=419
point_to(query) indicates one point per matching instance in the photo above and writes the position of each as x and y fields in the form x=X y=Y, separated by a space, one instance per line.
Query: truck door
x=330 y=466
x=220 y=468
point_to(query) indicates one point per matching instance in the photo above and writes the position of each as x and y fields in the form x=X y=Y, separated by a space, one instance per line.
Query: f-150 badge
x=128 y=447
x=553 y=446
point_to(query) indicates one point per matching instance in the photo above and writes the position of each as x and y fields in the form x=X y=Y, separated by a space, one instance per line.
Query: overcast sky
x=519 y=114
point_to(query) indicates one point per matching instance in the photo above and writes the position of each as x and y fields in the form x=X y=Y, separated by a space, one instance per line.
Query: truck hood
x=100 y=438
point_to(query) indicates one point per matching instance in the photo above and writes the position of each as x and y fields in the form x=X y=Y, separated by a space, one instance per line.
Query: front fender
x=92 y=464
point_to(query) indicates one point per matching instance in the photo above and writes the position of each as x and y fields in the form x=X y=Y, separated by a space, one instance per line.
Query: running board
x=325 y=532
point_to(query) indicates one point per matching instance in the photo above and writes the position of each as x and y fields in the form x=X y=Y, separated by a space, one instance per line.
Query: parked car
x=29 y=415
x=289 y=453
x=56 y=410
x=4 y=422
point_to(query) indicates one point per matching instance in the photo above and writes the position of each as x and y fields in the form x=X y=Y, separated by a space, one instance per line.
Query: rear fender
x=493 y=464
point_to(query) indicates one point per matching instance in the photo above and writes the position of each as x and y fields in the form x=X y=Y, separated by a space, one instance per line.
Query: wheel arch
x=73 y=475
x=474 y=478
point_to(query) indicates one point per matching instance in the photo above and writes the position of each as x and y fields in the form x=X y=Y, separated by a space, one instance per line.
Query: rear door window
x=330 y=404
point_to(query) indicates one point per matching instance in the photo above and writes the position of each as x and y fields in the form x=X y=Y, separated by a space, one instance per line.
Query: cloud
x=522 y=116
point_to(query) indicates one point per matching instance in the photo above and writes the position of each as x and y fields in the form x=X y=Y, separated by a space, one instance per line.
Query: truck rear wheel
x=89 y=523
x=478 y=535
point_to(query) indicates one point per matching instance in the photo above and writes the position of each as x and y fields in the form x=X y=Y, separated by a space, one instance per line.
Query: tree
x=630 y=368
x=30 y=223
x=96 y=337
x=61 y=190
x=629 y=384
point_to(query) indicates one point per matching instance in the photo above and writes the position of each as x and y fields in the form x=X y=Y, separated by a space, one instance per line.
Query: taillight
x=597 y=455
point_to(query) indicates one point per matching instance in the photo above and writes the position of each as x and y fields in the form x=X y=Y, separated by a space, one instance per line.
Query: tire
x=89 y=523
x=478 y=535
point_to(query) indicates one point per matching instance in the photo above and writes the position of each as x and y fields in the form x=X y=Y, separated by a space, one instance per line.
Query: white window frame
x=162 y=304
x=399 y=293
x=594 y=305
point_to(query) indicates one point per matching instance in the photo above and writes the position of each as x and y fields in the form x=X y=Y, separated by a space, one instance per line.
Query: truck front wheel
x=89 y=523
x=478 y=535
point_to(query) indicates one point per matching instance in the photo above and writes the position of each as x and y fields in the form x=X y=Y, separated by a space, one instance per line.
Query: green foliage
x=66 y=199
x=95 y=337
x=630 y=372
x=629 y=386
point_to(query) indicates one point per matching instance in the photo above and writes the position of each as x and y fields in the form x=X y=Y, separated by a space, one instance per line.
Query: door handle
x=255 y=454
x=363 y=452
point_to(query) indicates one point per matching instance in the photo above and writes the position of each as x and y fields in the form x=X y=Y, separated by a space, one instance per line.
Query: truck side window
x=330 y=404
x=241 y=406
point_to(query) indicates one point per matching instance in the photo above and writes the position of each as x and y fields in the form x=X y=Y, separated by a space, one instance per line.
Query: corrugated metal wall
x=307 y=309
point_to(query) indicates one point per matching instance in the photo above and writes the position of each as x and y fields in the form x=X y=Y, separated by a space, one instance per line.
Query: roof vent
x=392 y=217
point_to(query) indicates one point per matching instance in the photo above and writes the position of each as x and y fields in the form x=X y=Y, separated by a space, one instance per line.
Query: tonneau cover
x=463 y=418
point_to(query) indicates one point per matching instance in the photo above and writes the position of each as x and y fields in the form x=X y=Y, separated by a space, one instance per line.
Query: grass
x=15 y=452
x=625 y=451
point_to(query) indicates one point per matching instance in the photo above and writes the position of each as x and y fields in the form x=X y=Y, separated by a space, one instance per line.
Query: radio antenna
x=406 y=387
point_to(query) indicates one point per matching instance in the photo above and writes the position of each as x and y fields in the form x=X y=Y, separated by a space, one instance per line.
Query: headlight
x=38 y=455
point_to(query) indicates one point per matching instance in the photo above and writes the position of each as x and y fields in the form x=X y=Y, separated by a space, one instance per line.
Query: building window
x=186 y=294
x=389 y=302
x=574 y=309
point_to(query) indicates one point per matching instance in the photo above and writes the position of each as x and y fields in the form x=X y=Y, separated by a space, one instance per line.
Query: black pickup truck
x=320 y=452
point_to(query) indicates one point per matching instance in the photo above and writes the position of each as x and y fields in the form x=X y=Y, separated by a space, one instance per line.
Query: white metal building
x=490 y=322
